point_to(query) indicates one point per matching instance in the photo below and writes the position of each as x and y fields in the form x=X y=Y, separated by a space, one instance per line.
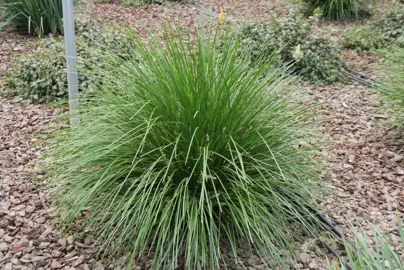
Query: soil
x=364 y=161
x=11 y=44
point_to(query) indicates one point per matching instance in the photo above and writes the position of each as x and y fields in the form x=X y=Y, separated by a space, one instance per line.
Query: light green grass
x=186 y=146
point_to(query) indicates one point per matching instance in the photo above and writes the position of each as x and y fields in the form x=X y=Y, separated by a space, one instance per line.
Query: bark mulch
x=364 y=162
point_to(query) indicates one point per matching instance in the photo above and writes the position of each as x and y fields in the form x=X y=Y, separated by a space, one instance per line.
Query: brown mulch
x=365 y=159
x=245 y=10
x=11 y=44
x=153 y=17
x=365 y=162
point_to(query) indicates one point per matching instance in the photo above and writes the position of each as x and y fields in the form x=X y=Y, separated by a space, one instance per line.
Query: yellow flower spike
x=298 y=50
x=221 y=16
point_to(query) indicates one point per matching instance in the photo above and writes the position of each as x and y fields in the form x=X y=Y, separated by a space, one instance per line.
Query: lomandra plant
x=185 y=149
x=339 y=9
x=361 y=254
x=37 y=17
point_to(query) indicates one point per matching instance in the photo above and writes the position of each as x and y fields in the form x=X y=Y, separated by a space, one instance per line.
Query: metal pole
x=71 y=60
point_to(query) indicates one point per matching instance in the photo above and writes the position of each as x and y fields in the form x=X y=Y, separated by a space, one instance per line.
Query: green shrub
x=337 y=9
x=394 y=79
x=186 y=148
x=107 y=37
x=386 y=30
x=254 y=40
x=37 y=17
x=41 y=76
x=292 y=41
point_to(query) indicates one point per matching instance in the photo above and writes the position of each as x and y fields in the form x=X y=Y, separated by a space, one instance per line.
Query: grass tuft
x=37 y=17
x=361 y=254
x=187 y=147
x=339 y=9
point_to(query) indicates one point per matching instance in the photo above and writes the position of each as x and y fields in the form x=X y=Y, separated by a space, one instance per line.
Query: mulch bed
x=363 y=162
x=11 y=44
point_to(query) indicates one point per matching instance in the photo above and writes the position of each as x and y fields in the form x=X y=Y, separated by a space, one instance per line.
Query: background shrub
x=254 y=40
x=37 y=17
x=185 y=149
x=386 y=30
x=41 y=76
x=292 y=41
x=394 y=78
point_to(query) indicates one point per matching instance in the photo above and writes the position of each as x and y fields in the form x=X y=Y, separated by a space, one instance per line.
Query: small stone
x=30 y=209
x=55 y=265
x=313 y=264
x=8 y=266
x=304 y=257
x=43 y=245
x=98 y=266
x=79 y=261
x=399 y=171
x=41 y=220
x=3 y=247
x=70 y=239
x=38 y=259
x=347 y=166
x=62 y=242
x=5 y=205
x=397 y=158
x=14 y=261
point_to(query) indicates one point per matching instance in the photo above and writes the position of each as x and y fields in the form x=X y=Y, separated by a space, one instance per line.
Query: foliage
x=107 y=37
x=291 y=39
x=41 y=76
x=37 y=17
x=254 y=40
x=393 y=68
x=382 y=257
x=185 y=147
x=337 y=9
x=384 y=31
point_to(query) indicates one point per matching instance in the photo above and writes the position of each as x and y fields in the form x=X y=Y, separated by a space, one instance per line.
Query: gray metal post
x=71 y=60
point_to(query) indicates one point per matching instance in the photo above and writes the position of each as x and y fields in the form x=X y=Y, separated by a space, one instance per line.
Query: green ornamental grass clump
x=338 y=9
x=187 y=147
x=373 y=253
x=36 y=17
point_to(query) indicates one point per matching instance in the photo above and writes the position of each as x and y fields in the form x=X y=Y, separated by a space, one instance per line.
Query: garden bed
x=363 y=159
